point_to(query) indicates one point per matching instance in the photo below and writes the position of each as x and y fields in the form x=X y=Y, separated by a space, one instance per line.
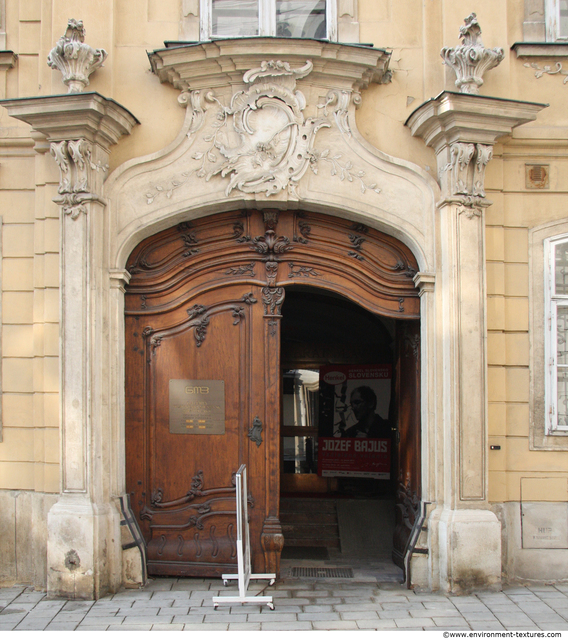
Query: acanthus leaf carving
x=272 y=298
x=463 y=178
x=73 y=157
x=270 y=245
x=484 y=153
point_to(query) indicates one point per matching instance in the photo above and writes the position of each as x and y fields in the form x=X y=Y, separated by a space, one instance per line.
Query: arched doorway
x=204 y=310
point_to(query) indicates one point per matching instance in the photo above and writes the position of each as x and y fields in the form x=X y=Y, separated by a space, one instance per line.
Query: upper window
x=556 y=347
x=281 y=18
x=556 y=12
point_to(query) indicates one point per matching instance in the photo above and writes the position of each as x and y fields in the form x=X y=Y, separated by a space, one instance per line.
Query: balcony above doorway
x=222 y=63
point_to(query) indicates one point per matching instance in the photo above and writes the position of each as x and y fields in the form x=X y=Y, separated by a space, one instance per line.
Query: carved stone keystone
x=471 y=59
x=75 y=59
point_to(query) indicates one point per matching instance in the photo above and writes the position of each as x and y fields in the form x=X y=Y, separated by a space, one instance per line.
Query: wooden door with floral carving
x=203 y=379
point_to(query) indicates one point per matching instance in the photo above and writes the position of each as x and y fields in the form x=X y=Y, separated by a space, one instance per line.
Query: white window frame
x=267 y=20
x=552 y=22
x=552 y=302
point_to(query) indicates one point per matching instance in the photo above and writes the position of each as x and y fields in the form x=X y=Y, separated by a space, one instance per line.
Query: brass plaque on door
x=197 y=407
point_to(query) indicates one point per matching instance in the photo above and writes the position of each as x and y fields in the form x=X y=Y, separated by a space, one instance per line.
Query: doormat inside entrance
x=305 y=553
x=321 y=572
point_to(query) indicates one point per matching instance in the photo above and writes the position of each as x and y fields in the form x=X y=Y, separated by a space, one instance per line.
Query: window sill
x=541 y=49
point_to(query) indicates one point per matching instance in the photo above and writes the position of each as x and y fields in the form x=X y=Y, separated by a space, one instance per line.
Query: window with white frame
x=556 y=342
x=556 y=19
x=281 y=18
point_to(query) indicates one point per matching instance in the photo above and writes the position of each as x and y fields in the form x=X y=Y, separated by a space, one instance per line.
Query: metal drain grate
x=321 y=572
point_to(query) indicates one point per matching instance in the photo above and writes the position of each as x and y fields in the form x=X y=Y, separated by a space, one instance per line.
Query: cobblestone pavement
x=300 y=604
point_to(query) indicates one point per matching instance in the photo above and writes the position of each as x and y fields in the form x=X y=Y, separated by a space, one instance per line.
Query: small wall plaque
x=536 y=176
x=544 y=525
x=197 y=407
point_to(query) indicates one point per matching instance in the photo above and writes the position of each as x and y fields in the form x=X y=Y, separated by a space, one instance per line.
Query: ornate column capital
x=462 y=129
x=79 y=128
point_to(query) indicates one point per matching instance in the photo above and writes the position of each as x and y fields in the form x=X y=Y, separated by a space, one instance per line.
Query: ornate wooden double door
x=203 y=379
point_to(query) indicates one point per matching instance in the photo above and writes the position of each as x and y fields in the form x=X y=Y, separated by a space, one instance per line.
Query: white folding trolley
x=244 y=575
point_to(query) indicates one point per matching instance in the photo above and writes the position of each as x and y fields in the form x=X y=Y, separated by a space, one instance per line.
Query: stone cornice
x=90 y=116
x=7 y=59
x=454 y=117
x=425 y=282
x=216 y=64
x=540 y=49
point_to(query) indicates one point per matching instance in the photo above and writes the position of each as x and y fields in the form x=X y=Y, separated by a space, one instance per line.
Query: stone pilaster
x=462 y=130
x=84 y=555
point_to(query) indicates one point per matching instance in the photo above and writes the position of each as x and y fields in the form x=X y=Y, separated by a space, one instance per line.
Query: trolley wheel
x=271 y=606
x=272 y=581
x=225 y=583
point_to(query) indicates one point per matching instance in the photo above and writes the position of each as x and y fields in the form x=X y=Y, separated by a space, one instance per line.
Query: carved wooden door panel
x=200 y=339
x=408 y=448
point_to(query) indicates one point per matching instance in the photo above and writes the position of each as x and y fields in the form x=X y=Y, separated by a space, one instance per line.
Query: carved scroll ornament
x=262 y=141
x=158 y=510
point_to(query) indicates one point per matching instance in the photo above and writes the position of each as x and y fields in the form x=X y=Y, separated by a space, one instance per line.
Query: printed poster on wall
x=354 y=428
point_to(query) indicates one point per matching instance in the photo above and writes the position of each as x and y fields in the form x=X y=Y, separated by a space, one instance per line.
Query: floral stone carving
x=471 y=59
x=262 y=141
x=75 y=59
x=547 y=69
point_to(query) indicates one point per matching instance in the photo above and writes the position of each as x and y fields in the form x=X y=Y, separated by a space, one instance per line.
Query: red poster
x=354 y=457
